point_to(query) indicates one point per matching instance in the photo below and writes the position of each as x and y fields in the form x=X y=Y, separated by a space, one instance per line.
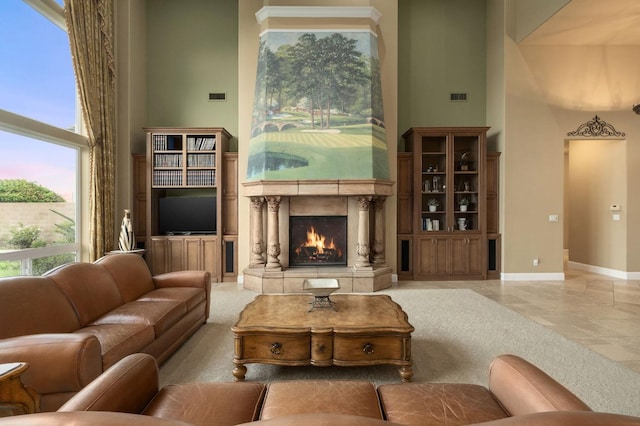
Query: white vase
x=432 y=208
x=463 y=208
x=127 y=240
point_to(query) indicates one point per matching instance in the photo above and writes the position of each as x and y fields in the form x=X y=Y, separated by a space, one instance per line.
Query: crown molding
x=318 y=12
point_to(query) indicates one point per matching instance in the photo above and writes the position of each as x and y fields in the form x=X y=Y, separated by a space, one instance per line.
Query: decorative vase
x=127 y=240
x=432 y=208
x=463 y=207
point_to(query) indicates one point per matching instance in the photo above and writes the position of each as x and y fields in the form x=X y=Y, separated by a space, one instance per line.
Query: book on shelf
x=201 y=177
x=201 y=143
x=201 y=160
x=167 y=178
x=167 y=160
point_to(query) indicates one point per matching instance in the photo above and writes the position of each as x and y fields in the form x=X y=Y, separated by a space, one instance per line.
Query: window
x=39 y=146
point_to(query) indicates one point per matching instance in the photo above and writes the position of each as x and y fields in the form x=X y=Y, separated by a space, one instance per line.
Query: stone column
x=378 y=236
x=257 y=243
x=273 y=234
x=362 y=249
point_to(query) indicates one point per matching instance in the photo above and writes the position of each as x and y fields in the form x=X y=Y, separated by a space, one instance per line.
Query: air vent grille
x=458 y=97
x=217 y=96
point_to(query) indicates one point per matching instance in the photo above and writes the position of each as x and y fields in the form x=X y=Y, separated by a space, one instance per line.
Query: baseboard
x=546 y=276
x=623 y=275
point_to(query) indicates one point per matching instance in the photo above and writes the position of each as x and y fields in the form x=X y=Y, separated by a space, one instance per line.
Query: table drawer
x=275 y=347
x=371 y=348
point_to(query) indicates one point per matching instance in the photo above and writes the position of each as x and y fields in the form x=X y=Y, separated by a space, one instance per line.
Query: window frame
x=35 y=129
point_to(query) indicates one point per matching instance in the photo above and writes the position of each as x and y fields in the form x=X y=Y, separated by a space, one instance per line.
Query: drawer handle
x=275 y=348
x=367 y=348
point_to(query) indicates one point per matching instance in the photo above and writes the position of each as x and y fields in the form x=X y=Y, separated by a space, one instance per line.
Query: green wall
x=442 y=50
x=192 y=50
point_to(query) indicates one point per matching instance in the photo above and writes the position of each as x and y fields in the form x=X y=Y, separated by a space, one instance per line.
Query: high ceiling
x=591 y=22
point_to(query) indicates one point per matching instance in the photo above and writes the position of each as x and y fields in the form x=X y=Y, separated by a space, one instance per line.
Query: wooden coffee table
x=357 y=330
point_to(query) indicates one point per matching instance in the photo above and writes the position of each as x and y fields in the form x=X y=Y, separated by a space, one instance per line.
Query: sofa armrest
x=566 y=418
x=198 y=279
x=126 y=387
x=522 y=388
x=58 y=362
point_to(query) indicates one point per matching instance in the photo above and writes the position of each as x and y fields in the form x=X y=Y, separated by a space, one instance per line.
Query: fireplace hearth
x=318 y=240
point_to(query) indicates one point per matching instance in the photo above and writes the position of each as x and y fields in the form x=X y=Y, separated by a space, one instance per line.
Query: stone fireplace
x=317 y=149
x=360 y=203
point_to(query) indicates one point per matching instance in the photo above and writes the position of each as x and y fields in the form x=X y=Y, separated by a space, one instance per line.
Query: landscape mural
x=318 y=111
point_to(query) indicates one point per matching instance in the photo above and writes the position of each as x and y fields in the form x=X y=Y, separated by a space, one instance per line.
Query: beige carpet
x=458 y=333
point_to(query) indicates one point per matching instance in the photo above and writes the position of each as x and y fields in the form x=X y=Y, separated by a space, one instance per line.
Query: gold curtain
x=90 y=27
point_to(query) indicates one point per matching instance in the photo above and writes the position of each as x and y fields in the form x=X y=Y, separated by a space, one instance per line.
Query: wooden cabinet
x=179 y=253
x=494 y=250
x=185 y=194
x=230 y=218
x=138 y=211
x=446 y=229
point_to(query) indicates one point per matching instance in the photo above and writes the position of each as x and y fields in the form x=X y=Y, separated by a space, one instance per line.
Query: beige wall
x=551 y=90
x=533 y=175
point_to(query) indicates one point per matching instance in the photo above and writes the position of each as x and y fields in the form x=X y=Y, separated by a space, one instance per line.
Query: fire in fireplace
x=317 y=240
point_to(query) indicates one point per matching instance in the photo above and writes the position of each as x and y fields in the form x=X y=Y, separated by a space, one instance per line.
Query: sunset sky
x=36 y=80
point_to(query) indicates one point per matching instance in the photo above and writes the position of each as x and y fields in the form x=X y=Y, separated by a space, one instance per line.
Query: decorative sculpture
x=127 y=240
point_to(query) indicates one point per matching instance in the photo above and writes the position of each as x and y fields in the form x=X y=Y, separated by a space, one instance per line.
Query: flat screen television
x=187 y=215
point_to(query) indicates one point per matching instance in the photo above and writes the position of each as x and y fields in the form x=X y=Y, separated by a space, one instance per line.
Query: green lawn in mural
x=317 y=155
x=318 y=108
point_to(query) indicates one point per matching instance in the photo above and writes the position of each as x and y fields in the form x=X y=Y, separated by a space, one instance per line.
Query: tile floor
x=599 y=312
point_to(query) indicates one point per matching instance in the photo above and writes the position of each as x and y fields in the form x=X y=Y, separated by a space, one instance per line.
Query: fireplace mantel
x=319 y=187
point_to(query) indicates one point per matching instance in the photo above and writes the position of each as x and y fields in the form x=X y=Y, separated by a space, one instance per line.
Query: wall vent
x=217 y=96
x=458 y=97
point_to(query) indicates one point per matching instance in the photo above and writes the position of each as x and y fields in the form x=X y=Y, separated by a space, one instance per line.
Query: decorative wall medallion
x=596 y=128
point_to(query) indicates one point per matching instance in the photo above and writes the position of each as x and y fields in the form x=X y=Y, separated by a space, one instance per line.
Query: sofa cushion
x=160 y=315
x=32 y=305
x=208 y=403
x=191 y=297
x=438 y=404
x=321 y=419
x=356 y=398
x=130 y=273
x=120 y=340
x=89 y=287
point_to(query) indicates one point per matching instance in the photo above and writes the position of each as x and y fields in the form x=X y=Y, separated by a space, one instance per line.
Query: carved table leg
x=239 y=372
x=406 y=373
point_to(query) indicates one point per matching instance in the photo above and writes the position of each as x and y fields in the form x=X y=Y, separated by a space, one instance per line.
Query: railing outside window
x=49 y=258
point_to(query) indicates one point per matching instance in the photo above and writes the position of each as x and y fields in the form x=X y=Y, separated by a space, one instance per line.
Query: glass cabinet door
x=465 y=182
x=434 y=183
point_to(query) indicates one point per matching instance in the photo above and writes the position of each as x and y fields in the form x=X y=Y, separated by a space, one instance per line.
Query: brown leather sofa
x=518 y=394
x=81 y=318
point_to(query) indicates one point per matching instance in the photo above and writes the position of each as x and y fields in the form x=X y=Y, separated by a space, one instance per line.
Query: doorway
x=594 y=231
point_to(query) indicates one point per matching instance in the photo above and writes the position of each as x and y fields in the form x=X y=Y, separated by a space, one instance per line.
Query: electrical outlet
x=554 y=218
x=536 y=261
